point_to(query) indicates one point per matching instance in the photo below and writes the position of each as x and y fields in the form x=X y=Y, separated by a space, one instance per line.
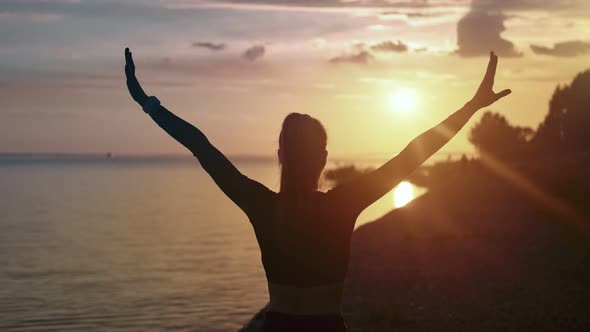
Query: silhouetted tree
x=494 y=136
x=566 y=128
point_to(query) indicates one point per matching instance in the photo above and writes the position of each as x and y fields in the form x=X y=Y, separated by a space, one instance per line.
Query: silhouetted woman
x=303 y=233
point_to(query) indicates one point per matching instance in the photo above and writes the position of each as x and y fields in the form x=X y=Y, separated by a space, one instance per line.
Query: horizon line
x=108 y=155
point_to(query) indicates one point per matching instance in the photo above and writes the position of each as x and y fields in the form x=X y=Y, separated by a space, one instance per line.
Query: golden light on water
x=403 y=100
x=403 y=194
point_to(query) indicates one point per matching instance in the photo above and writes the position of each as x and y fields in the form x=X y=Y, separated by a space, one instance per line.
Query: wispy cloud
x=254 y=53
x=563 y=49
x=318 y=4
x=210 y=46
x=408 y=14
x=361 y=57
x=30 y=16
x=479 y=32
x=362 y=53
x=571 y=6
x=389 y=46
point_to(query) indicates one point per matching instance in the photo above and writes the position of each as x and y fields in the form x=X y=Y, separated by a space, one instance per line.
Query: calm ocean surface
x=119 y=244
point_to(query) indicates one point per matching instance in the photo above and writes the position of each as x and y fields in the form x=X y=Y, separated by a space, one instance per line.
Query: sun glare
x=403 y=194
x=403 y=100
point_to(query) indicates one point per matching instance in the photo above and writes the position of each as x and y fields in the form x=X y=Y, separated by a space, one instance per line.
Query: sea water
x=128 y=244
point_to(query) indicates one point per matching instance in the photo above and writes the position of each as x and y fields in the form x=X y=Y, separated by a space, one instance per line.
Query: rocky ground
x=483 y=255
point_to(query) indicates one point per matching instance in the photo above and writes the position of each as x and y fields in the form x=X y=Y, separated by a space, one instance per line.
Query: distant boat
x=109 y=155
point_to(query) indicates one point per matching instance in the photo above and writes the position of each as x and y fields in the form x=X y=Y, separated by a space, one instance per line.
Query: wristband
x=151 y=105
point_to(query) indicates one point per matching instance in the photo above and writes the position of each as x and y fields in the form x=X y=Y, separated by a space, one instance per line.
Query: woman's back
x=304 y=241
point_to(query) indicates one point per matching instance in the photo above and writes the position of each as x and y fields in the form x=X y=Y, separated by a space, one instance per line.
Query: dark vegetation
x=564 y=131
x=344 y=173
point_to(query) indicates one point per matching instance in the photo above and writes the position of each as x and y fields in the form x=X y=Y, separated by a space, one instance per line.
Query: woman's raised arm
x=362 y=192
x=244 y=191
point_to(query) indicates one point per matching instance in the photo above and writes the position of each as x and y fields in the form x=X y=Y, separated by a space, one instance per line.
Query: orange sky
x=236 y=68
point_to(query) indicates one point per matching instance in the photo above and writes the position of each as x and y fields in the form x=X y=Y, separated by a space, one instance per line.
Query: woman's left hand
x=485 y=95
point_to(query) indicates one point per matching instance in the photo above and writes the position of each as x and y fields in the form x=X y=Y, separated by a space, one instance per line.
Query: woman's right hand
x=133 y=85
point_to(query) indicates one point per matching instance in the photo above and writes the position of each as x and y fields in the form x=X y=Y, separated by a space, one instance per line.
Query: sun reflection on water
x=403 y=194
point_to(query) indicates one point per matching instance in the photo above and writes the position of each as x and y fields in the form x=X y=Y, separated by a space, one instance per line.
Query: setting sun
x=403 y=194
x=403 y=100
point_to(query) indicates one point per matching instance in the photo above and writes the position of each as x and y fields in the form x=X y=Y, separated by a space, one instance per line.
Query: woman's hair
x=302 y=152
